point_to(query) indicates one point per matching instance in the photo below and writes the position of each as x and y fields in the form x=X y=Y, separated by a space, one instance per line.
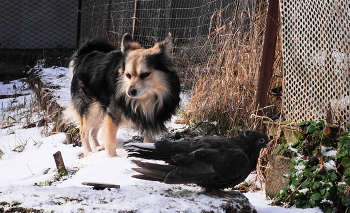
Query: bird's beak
x=268 y=146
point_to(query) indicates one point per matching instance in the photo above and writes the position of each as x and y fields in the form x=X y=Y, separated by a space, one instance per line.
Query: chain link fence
x=38 y=24
x=217 y=47
x=36 y=29
x=191 y=24
x=315 y=48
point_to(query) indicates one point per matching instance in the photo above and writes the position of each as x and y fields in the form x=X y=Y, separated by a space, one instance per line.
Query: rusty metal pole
x=80 y=2
x=134 y=18
x=268 y=55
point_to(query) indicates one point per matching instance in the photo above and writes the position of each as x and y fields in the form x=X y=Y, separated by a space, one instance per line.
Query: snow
x=26 y=161
x=328 y=151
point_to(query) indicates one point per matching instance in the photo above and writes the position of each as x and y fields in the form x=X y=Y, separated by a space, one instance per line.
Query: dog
x=112 y=88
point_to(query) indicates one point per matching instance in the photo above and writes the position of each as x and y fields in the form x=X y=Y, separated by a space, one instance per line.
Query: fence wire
x=191 y=24
x=38 y=24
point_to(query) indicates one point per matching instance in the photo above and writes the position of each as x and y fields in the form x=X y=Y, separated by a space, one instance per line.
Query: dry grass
x=225 y=89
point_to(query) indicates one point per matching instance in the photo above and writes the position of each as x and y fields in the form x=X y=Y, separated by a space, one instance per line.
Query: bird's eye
x=144 y=75
x=261 y=140
x=128 y=75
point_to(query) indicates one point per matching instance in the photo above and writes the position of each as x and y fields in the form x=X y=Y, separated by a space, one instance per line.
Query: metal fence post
x=134 y=18
x=268 y=55
x=79 y=23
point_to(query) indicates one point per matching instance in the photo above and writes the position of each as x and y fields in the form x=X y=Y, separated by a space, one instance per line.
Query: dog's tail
x=95 y=45
x=89 y=47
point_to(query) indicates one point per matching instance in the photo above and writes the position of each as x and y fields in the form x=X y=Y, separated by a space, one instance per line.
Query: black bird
x=213 y=163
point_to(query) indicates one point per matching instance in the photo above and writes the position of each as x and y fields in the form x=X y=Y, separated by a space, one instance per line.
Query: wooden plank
x=101 y=186
x=268 y=55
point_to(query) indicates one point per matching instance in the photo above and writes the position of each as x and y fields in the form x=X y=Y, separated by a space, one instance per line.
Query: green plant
x=38 y=143
x=59 y=176
x=60 y=173
x=21 y=146
x=320 y=174
x=344 y=155
x=45 y=183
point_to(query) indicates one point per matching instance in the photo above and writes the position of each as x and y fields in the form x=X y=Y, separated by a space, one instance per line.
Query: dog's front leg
x=110 y=129
x=83 y=131
x=147 y=139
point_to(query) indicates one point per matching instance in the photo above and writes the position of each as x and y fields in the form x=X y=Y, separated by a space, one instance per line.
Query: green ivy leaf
x=345 y=144
x=311 y=129
x=279 y=149
x=320 y=123
x=315 y=185
x=332 y=177
x=347 y=172
x=316 y=196
x=301 y=203
x=304 y=123
x=312 y=203
x=306 y=184
x=345 y=201
x=328 y=210
x=345 y=161
x=341 y=187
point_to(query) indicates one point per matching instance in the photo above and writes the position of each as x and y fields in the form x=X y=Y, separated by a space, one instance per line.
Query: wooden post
x=69 y=138
x=268 y=55
x=59 y=162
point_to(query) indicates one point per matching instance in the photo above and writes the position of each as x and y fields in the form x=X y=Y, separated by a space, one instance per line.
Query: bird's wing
x=190 y=170
x=208 y=166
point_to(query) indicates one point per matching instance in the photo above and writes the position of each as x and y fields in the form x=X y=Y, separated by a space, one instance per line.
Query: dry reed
x=225 y=89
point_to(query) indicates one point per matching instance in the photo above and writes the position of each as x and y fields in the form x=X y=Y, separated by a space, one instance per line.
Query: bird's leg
x=216 y=192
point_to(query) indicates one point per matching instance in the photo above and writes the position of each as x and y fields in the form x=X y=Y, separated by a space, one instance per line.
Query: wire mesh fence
x=191 y=23
x=217 y=47
x=38 y=24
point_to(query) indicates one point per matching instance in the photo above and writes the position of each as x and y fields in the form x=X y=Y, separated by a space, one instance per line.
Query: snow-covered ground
x=27 y=168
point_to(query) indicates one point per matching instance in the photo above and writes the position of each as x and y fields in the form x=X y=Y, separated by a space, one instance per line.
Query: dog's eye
x=144 y=74
x=128 y=75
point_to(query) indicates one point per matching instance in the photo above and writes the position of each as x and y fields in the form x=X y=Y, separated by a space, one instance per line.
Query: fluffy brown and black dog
x=111 y=88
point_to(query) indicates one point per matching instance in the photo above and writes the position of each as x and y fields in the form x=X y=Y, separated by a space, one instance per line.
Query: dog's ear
x=128 y=44
x=165 y=46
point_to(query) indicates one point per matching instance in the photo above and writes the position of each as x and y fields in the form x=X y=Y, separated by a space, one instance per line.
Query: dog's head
x=144 y=71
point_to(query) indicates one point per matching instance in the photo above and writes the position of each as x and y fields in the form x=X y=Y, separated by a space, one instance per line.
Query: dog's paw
x=99 y=148
x=86 y=154
x=111 y=153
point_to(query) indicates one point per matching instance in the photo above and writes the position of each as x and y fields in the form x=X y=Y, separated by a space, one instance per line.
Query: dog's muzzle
x=132 y=93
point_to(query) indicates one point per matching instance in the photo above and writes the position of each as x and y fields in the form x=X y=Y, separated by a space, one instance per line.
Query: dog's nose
x=132 y=92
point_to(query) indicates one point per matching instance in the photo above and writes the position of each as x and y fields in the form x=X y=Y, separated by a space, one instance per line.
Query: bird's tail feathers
x=137 y=146
x=152 y=171
x=144 y=177
x=140 y=150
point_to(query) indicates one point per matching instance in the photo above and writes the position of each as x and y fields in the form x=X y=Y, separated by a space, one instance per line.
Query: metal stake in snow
x=59 y=162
